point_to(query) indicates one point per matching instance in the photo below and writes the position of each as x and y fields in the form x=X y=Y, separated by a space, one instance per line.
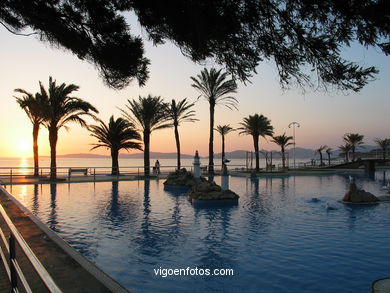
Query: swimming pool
x=275 y=240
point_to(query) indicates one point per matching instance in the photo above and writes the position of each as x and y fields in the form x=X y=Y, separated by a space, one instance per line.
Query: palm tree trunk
x=346 y=157
x=283 y=158
x=321 y=162
x=384 y=153
x=177 y=138
x=35 y=149
x=223 y=152
x=53 y=137
x=115 y=163
x=329 y=159
x=353 y=154
x=211 y=141
x=146 y=152
x=256 y=145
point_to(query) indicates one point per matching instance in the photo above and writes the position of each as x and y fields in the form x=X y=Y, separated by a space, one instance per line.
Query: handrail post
x=94 y=174
x=10 y=180
x=12 y=258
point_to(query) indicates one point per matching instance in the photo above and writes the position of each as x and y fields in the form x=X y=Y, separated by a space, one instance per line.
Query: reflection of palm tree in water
x=53 y=222
x=35 y=203
x=217 y=248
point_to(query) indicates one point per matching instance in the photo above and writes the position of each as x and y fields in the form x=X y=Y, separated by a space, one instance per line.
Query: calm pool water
x=276 y=239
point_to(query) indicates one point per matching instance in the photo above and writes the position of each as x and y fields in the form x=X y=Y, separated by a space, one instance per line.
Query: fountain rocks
x=355 y=195
x=201 y=188
x=181 y=178
x=206 y=190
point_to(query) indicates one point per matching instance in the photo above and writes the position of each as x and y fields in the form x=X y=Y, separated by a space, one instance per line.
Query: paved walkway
x=4 y=282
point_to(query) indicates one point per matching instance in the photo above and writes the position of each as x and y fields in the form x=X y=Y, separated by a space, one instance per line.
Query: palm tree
x=320 y=150
x=354 y=140
x=256 y=126
x=283 y=141
x=33 y=106
x=118 y=134
x=148 y=114
x=179 y=112
x=215 y=87
x=383 y=144
x=61 y=109
x=329 y=152
x=346 y=148
x=223 y=130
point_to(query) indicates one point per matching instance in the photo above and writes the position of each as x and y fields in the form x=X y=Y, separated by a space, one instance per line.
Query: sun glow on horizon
x=24 y=147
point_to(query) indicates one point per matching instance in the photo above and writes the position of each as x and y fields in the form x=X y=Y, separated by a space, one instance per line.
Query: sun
x=24 y=147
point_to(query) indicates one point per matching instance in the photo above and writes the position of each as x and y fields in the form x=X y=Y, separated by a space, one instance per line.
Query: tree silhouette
x=223 y=130
x=179 y=112
x=33 y=106
x=354 y=140
x=383 y=144
x=148 y=114
x=329 y=152
x=345 y=148
x=320 y=150
x=256 y=126
x=304 y=38
x=283 y=141
x=118 y=134
x=61 y=109
x=214 y=88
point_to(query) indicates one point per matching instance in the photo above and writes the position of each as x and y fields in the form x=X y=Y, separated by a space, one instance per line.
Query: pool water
x=277 y=239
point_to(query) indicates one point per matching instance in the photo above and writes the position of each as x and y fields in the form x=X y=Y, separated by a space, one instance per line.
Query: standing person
x=157 y=167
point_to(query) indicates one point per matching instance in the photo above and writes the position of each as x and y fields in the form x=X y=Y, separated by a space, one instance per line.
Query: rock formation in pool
x=206 y=190
x=202 y=189
x=355 y=195
x=181 y=177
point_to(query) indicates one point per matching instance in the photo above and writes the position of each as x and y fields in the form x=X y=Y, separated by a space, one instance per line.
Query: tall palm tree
x=148 y=114
x=60 y=109
x=118 y=134
x=256 y=125
x=383 y=144
x=345 y=148
x=283 y=141
x=179 y=112
x=329 y=152
x=223 y=130
x=33 y=106
x=320 y=150
x=215 y=87
x=354 y=140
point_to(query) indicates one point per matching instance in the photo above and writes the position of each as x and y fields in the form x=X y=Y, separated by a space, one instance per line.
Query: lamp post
x=293 y=124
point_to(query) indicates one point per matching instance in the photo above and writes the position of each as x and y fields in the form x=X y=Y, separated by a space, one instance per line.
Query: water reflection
x=217 y=238
x=35 y=200
x=52 y=221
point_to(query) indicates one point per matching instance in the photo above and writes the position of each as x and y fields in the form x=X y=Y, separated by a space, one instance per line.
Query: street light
x=293 y=124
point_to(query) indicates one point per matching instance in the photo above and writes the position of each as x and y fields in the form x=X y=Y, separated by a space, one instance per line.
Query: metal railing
x=14 y=272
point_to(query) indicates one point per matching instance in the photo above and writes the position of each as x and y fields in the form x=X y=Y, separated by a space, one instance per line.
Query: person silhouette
x=157 y=167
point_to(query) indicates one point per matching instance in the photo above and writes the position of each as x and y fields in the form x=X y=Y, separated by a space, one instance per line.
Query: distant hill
x=302 y=153
x=241 y=154
x=153 y=155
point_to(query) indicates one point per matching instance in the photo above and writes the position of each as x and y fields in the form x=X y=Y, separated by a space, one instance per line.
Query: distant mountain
x=301 y=153
x=153 y=155
x=241 y=154
x=79 y=156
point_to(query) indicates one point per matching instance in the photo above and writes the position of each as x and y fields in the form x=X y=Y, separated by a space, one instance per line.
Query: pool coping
x=108 y=282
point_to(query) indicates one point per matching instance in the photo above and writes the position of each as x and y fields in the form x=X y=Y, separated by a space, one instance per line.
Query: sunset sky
x=324 y=118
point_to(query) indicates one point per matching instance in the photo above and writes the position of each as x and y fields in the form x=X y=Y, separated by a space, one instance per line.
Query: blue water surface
x=276 y=239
